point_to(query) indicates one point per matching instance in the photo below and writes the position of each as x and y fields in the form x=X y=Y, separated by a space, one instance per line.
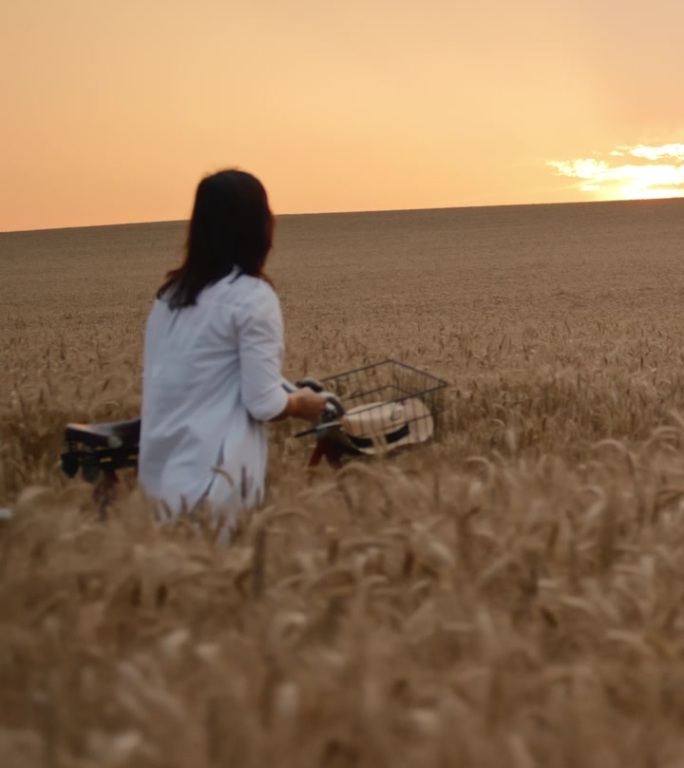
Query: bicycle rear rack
x=98 y=450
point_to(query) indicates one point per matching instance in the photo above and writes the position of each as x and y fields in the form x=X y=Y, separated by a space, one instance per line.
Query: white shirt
x=212 y=376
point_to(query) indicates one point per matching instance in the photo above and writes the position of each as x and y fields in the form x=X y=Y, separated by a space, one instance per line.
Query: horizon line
x=350 y=213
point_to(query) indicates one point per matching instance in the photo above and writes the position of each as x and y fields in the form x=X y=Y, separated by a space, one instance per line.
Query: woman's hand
x=305 y=404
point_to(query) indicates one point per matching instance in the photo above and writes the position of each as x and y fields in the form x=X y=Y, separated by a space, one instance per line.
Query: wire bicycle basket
x=386 y=404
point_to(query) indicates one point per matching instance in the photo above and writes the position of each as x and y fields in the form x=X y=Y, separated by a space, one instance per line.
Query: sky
x=112 y=112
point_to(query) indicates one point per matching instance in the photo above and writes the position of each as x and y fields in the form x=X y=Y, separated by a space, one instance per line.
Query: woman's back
x=212 y=375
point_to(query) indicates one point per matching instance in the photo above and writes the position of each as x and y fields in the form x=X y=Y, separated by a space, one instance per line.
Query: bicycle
x=358 y=400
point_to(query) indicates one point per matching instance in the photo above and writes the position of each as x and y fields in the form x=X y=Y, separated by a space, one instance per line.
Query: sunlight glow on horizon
x=614 y=177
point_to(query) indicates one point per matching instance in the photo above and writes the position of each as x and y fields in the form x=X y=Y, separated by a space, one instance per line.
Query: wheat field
x=510 y=595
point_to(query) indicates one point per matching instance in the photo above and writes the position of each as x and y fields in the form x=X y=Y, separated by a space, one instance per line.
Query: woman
x=213 y=356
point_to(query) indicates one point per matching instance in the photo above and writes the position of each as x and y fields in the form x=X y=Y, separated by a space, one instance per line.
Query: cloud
x=628 y=172
x=674 y=151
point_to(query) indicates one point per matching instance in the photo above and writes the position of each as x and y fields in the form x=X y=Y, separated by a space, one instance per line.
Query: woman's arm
x=260 y=332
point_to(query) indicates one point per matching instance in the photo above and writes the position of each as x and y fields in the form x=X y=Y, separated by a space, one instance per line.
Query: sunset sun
x=629 y=173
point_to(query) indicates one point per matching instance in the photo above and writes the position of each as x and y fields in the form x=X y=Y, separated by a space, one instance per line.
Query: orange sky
x=113 y=111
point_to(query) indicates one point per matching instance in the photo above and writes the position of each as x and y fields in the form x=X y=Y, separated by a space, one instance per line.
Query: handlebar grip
x=333 y=408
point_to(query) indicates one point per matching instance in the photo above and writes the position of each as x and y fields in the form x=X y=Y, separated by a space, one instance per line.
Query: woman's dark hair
x=231 y=226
